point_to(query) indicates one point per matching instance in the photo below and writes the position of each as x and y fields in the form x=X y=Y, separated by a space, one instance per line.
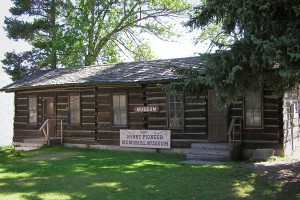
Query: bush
x=8 y=150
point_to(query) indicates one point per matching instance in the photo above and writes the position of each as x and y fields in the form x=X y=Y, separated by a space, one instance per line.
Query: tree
x=103 y=30
x=36 y=23
x=265 y=50
x=85 y=32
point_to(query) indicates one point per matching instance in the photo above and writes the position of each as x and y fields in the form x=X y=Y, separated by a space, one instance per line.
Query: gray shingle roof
x=129 y=72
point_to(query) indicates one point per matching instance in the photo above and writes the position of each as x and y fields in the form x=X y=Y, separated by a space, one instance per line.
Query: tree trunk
x=53 y=62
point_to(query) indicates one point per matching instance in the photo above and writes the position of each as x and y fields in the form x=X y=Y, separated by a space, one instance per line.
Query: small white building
x=291 y=112
x=6 y=111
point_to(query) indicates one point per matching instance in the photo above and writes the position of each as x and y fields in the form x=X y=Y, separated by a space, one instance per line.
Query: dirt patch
x=51 y=156
x=283 y=171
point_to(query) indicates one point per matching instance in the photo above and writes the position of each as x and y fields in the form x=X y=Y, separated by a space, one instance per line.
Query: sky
x=183 y=47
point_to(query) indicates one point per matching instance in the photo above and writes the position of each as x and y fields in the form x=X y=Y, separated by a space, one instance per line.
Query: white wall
x=291 y=127
x=6 y=111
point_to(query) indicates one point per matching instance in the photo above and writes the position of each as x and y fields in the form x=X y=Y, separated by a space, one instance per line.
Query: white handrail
x=44 y=124
x=231 y=135
x=46 y=133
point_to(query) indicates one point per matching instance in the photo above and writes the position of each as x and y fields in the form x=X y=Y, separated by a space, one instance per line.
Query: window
x=253 y=109
x=119 y=110
x=32 y=110
x=175 y=112
x=74 y=108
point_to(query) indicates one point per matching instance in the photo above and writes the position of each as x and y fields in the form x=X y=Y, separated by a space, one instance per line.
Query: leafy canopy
x=263 y=47
x=72 y=33
x=35 y=22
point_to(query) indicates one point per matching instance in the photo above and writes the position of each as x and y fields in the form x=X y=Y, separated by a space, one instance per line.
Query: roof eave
x=9 y=90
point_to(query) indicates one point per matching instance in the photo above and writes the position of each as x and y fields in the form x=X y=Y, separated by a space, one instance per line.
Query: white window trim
x=175 y=119
x=261 y=112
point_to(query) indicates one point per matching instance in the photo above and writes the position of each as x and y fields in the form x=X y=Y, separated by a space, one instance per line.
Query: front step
x=209 y=152
x=35 y=141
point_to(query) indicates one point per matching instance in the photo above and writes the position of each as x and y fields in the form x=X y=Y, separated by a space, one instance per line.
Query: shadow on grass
x=93 y=174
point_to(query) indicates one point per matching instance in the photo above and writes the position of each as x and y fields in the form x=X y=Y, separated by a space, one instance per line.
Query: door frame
x=53 y=125
x=224 y=113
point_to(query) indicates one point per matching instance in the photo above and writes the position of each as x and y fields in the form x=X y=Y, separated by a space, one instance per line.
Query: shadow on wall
x=6 y=111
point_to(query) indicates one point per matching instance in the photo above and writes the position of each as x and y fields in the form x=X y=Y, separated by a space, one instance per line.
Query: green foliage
x=35 y=22
x=101 y=31
x=263 y=47
x=193 y=83
x=76 y=33
x=8 y=152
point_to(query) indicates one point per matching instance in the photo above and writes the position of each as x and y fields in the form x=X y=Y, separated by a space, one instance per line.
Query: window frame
x=36 y=111
x=169 y=111
x=126 y=110
x=261 y=111
x=69 y=109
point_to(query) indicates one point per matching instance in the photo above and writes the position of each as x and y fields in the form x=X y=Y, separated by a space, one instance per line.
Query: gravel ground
x=285 y=171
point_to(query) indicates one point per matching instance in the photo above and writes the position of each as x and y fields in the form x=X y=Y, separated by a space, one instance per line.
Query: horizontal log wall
x=195 y=123
x=270 y=135
x=195 y=115
x=96 y=116
x=22 y=128
x=81 y=133
x=108 y=134
x=85 y=131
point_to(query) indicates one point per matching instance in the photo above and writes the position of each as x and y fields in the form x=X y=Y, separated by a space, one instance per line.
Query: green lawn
x=65 y=173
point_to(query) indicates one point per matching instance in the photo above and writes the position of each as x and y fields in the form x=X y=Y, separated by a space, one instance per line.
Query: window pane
x=119 y=110
x=256 y=121
x=175 y=111
x=74 y=109
x=172 y=106
x=32 y=110
x=249 y=103
x=253 y=109
x=178 y=106
x=249 y=120
x=178 y=114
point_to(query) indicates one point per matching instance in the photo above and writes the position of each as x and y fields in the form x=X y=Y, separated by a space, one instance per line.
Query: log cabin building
x=92 y=104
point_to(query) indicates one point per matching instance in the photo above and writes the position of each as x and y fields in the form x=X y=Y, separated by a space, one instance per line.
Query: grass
x=66 y=173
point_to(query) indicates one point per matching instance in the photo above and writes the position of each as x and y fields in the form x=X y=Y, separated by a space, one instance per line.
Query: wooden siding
x=96 y=125
x=81 y=133
x=96 y=115
x=270 y=134
x=150 y=95
x=22 y=128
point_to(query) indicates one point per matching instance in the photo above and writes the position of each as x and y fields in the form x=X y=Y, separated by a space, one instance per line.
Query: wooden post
x=240 y=126
x=61 y=132
x=48 y=142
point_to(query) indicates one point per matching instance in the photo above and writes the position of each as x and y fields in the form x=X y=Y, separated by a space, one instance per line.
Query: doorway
x=217 y=120
x=49 y=113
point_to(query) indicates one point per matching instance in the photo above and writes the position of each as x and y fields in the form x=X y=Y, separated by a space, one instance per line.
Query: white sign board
x=158 y=139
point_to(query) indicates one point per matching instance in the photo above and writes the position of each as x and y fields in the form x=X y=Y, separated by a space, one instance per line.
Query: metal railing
x=45 y=128
x=235 y=138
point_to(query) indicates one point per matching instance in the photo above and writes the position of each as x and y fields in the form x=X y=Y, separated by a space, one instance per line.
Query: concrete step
x=209 y=152
x=22 y=144
x=210 y=146
x=207 y=157
x=25 y=148
x=35 y=141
